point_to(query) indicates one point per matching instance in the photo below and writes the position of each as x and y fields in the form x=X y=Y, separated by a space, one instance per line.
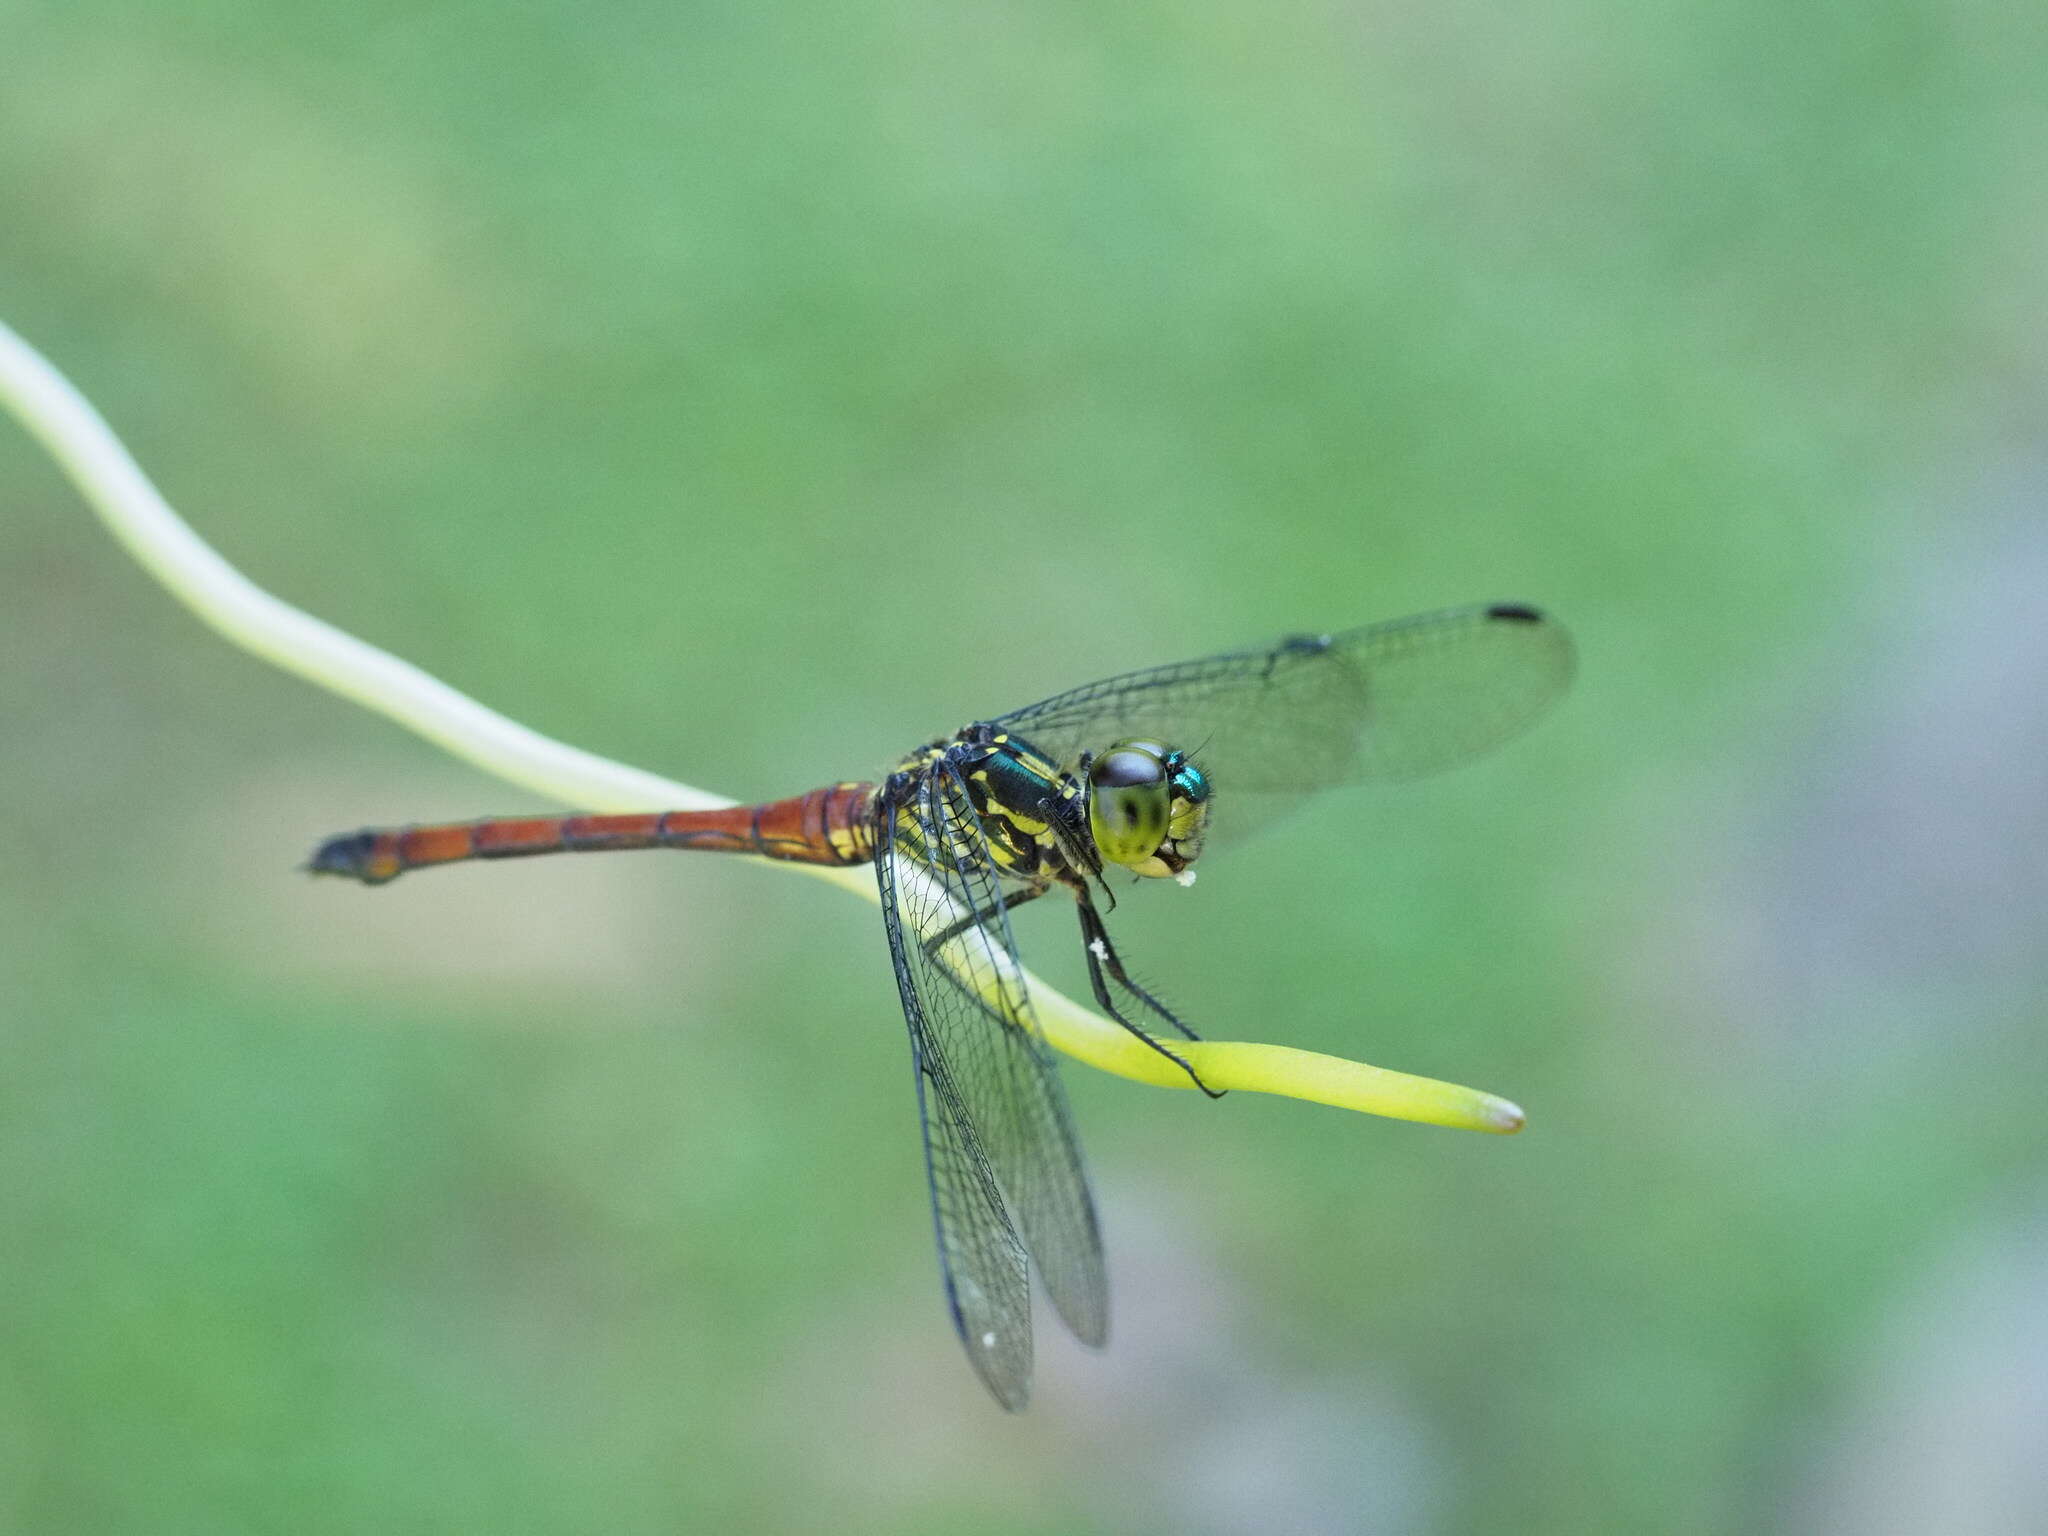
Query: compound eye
x=1130 y=802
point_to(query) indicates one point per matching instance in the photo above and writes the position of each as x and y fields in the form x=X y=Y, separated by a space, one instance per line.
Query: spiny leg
x=1103 y=958
x=1096 y=933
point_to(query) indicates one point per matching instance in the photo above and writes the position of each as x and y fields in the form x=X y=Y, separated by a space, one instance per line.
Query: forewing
x=1389 y=701
x=996 y=1121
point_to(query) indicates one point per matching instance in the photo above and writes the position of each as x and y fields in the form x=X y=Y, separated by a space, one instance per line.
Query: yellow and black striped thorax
x=1032 y=812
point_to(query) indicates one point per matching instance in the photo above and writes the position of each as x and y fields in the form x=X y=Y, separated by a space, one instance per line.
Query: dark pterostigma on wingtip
x=1515 y=613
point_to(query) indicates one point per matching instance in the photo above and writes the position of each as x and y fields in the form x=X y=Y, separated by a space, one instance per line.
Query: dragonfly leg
x=953 y=930
x=1096 y=933
x=1105 y=965
x=1075 y=841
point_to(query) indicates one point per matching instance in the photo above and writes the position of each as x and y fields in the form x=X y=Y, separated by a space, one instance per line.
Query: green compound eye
x=1130 y=803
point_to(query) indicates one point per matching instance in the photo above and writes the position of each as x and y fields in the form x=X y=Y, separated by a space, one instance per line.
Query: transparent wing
x=1389 y=701
x=999 y=1142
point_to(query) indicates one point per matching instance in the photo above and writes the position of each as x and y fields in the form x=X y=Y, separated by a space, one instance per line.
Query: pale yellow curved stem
x=137 y=515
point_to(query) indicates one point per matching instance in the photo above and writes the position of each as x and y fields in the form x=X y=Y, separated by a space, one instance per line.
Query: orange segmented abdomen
x=834 y=825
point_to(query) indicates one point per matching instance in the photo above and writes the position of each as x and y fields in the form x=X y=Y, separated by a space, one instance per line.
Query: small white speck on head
x=988 y=1341
x=1185 y=877
x=1098 y=949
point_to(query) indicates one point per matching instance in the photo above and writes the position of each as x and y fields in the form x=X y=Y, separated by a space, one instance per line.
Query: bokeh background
x=750 y=392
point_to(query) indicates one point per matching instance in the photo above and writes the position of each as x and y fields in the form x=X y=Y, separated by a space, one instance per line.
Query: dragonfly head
x=1147 y=807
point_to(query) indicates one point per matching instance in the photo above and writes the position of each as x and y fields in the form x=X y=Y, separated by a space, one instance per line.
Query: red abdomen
x=834 y=825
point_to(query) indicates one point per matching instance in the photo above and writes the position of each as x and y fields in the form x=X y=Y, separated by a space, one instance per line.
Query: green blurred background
x=750 y=392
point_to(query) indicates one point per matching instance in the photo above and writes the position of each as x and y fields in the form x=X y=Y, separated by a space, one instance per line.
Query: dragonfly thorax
x=1147 y=808
x=1138 y=805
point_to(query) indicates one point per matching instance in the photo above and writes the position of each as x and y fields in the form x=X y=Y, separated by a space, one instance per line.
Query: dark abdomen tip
x=353 y=854
x=1515 y=613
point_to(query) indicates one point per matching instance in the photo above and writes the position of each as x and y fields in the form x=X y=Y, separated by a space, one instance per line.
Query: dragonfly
x=1138 y=775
